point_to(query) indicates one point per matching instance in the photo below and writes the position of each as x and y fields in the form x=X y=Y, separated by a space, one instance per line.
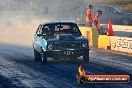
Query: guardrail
x=91 y=34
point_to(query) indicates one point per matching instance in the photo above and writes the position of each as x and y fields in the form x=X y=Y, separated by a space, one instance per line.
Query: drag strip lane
x=11 y=83
x=55 y=73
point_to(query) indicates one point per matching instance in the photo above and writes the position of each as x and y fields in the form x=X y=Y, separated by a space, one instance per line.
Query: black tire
x=36 y=55
x=43 y=57
x=86 y=56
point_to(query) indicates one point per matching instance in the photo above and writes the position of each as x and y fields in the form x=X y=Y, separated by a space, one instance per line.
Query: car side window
x=45 y=29
x=39 y=30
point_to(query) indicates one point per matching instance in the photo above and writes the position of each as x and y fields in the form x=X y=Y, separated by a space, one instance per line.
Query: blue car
x=59 y=40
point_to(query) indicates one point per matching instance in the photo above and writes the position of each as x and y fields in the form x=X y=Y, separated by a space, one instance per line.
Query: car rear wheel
x=86 y=56
x=43 y=57
x=36 y=55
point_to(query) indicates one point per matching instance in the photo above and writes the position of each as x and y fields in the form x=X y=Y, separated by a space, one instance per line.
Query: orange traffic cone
x=110 y=30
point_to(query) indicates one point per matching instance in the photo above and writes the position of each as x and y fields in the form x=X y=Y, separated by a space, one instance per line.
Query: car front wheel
x=36 y=55
x=43 y=57
x=86 y=56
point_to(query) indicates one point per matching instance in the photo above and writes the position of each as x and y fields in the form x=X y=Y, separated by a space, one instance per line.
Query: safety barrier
x=119 y=27
x=104 y=42
x=91 y=34
x=121 y=44
x=122 y=28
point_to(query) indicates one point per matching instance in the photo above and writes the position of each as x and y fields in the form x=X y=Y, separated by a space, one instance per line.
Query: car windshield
x=61 y=28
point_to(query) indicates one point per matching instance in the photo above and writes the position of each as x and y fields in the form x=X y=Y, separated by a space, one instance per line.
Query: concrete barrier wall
x=91 y=34
x=104 y=42
x=122 y=44
x=122 y=28
x=119 y=27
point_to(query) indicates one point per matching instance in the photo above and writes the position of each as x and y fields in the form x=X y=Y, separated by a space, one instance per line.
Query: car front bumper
x=69 y=53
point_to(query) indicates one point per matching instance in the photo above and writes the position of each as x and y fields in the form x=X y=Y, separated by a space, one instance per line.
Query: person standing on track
x=97 y=21
x=90 y=15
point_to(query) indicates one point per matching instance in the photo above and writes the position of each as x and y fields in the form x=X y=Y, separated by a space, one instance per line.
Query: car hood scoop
x=65 y=37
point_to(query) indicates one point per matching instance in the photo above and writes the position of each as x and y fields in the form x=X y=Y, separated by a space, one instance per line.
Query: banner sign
x=122 y=44
x=82 y=77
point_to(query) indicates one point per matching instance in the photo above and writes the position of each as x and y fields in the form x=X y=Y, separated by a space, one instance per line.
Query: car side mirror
x=39 y=35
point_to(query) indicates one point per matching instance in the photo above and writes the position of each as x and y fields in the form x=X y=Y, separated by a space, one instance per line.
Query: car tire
x=36 y=55
x=86 y=56
x=125 y=21
x=43 y=57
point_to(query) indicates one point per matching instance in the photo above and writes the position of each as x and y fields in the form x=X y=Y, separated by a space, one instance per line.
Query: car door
x=42 y=39
x=37 y=38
